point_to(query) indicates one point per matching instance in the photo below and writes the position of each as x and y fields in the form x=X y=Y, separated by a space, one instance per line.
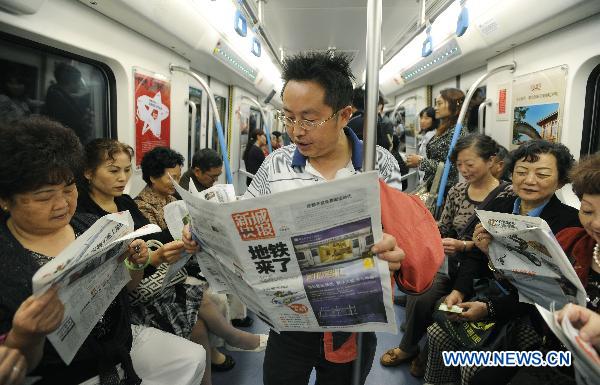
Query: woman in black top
x=39 y=201
x=253 y=154
x=539 y=168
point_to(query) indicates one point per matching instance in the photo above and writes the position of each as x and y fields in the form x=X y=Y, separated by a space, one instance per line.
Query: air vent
x=440 y=56
x=233 y=61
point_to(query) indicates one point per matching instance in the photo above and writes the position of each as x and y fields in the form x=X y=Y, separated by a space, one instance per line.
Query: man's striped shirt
x=287 y=169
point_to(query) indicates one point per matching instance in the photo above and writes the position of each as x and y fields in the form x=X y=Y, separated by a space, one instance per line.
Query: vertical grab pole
x=264 y=117
x=458 y=129
x=216 y=117
x=373 y=43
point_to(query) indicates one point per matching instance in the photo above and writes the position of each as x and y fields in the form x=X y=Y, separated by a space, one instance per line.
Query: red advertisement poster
x=152 y=113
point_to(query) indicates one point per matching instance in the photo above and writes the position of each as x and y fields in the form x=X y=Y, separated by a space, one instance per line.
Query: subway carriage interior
x=541 y=54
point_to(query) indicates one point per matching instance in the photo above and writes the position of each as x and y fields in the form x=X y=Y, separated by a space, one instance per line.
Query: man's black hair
x=332 y=72
x=206 y=159
x=358 y=99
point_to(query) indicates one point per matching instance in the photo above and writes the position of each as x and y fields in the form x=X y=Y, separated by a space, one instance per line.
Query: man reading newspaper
x=316 y=108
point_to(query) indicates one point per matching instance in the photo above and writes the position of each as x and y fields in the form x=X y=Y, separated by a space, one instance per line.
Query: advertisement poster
x=152 y=101
x=502 y=109
x=538 y=100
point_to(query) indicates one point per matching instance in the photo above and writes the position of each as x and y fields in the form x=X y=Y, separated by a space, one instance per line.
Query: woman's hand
x=413 y=160
x=33 y=320
x=586 y=320
x=473 y=311
x=452 y=246
x=171 y=252
x=188 y=243
x=137 y=252
x=482 y=239
x=36 y=317
x=388 y=250
x=13 y=366
x=454 y=298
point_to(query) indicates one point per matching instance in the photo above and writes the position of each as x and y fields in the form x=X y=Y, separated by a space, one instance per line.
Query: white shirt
x=287 y=169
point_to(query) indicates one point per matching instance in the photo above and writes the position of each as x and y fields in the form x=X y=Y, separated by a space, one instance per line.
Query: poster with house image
x=538 y=100
x=538 y=121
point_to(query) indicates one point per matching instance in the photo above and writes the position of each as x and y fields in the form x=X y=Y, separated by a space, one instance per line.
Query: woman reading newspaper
x=474 y=158
x=39 y=200
x=178 y=308
x=539 y=168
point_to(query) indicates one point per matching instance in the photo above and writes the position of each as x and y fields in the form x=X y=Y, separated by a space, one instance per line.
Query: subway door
x=197 y=132
x=221 y=94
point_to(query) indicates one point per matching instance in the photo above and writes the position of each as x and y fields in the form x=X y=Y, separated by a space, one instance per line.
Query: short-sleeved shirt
x=286 y=169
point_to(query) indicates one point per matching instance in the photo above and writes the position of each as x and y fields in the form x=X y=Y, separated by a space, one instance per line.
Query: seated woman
x=179 y=308
x=581 y=244
x=473 y=155
x=539 y=168
x=39 y=200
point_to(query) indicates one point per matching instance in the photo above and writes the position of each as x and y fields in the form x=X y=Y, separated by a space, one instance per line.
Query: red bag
x=406 y=218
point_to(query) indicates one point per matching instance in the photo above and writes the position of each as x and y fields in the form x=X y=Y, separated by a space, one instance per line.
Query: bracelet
x=464 y=246
x=139 y=266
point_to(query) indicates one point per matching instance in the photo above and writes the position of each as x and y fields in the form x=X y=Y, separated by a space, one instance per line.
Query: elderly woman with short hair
x=39 y=197
x=539 y=168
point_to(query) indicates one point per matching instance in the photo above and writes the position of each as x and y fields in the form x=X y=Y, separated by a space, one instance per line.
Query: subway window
x=40 y=80
x=590 y=139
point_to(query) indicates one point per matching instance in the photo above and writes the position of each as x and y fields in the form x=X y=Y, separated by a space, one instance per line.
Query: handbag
x=428 y=192
x=150 y=287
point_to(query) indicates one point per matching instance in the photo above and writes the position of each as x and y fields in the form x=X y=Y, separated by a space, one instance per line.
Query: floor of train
x=248 y=366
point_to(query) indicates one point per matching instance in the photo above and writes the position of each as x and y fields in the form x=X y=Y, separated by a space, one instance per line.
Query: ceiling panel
x=299 y=25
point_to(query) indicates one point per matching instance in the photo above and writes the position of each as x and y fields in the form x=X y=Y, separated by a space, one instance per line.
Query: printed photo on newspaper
x=90 y=274
x=301 y=259
x=525 y=251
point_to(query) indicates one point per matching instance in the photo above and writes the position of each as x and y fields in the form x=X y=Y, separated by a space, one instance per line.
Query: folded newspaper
x=585 y=357
x=526 y=252
x=90 y=274
x=300 y=259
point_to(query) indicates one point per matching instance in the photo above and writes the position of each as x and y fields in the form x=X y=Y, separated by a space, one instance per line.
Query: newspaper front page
x=300 y=259
x=526 y=252
x=90 y=274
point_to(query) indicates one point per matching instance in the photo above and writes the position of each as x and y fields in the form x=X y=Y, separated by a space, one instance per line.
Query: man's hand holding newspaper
x=303 y=259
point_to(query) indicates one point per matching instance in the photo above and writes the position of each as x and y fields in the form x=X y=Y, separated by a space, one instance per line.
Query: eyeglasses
x=304 y=124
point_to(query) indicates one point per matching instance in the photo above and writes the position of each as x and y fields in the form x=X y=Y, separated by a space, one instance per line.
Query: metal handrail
x=264 y=117
x=192 y=105
x=373 y=43
x=406 y=176
x=248 y=174
x=481 y=115
x=458 y=129
x=216 y=117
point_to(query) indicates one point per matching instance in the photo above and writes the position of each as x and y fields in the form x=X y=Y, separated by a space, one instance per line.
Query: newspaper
x=585 y=358
x=89 y=274
x=526 y=252
x=300 y=259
